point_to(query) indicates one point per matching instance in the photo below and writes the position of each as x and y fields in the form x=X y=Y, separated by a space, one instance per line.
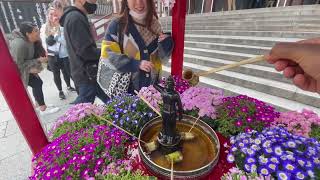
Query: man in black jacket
x=83 y=52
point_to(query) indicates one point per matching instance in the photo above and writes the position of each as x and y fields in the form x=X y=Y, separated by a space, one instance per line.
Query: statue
x=169 y=138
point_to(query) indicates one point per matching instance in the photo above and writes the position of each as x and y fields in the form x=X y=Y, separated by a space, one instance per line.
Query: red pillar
x=178 y=26
x=18 y=100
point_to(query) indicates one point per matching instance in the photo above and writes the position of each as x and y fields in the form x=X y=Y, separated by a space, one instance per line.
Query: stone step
x=269 y=20
x=249 y=69
x=239 y=40
x=283 y=103
x=257 y=27
x=224 y=55
x=283 y=34
x=228 y=47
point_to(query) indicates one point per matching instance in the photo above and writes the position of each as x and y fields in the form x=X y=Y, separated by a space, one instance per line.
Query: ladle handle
x=229 y=66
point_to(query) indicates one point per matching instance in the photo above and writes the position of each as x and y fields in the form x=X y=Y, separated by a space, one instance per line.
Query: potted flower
x=276 y=152
x=242 y=114
x=305 y=123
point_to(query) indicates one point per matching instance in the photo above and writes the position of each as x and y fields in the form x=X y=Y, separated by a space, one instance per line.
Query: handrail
x=103 y=17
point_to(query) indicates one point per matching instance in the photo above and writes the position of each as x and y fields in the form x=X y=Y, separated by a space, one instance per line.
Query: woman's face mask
x=138 y=8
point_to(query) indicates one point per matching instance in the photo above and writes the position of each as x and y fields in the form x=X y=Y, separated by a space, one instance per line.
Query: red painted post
x=178 y=27
x=18 y=100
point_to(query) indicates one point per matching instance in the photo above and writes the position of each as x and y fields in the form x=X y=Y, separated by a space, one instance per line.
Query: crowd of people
x=135 y=49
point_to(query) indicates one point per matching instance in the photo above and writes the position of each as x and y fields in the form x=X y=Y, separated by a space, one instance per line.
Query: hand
x=34 y=71
x=43 y=59
x=298 y=61
x=162 y=37
x=146 y=66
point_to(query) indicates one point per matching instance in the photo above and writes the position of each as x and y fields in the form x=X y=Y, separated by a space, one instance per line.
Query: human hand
x=146 y=66
x=298 y=61
x=162 y=36
x=43 y=59
x=34 y=71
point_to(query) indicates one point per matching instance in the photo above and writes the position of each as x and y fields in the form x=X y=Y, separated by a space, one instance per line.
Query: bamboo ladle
x=193 y=78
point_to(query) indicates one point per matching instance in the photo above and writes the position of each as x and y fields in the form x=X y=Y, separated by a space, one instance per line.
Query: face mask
x=90 y=7
x=138 y=16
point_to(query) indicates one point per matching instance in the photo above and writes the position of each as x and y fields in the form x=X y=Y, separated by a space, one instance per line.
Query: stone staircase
x=216 y=39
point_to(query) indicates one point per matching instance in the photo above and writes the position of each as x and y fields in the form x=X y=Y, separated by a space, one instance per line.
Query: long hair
x=124 y=15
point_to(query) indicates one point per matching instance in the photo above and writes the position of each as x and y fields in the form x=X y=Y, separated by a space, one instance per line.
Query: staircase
x=216 y=39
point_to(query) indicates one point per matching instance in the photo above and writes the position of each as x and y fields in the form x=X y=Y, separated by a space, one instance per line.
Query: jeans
x=36 y=83
x=88 y=93
x=56 y=64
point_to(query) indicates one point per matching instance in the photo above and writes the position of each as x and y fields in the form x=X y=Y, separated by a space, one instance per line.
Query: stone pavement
x=15 y=156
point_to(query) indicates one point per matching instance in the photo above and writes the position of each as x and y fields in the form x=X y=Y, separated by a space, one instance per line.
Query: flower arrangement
x=128 y=112
x=306 y=123
x=201 y=101
x=152 y=95
x=237 y=174
x=242 y=114
x=82 y=154
x=276 y=152
x=180 y=84
x=126 y=175
x=77 y=117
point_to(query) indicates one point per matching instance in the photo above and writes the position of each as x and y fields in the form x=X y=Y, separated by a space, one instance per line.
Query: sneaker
x=49 y=110
x=71 y=89
x=61 y=95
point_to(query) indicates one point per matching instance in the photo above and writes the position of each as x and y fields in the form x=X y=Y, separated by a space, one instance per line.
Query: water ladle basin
x=200 y=154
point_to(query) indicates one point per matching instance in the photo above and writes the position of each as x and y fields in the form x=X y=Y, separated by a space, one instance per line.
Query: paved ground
x=15 y=156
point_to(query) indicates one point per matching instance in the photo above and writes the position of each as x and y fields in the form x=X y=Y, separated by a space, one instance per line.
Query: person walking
x=82 y=49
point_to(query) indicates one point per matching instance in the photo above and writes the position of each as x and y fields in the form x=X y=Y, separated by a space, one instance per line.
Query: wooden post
x=178 y=27
x=18 y=100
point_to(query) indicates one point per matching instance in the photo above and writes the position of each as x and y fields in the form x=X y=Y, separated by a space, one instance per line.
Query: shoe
x=61 y=95
x=71 y=89
x=49 y=110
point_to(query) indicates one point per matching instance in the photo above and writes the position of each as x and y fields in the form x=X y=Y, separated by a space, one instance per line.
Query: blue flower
x=247 y=167
x=253 y=168
x=275 y=160
x=241 y=145
x=300 y=175
x=316 y=160
x=311 y=173
x=250 y=160
x=288 y=166
x=291 y=144
x=255 y=147
x=234 y=149
x=268 y=150
x=246 y=141
x=272 y=166
x=301 y=162
x=263 y=160
x=264 y=171
x=290 y=157
x=266 y=144
x=311 y=151
x=278 y=150
x=283 y=175
x=251 y=152
x=230 y=158
x=244 y=150
x=257 y=141
x=309 y=165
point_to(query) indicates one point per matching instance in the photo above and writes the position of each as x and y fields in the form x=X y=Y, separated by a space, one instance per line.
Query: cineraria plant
x=276 y=152
x=77 y=117
x=152 y=95
x=125 y=175
x=82 y=154
x=201 y=101
x=243 y=114
x=128 y=112
x=237 y=174
x=306 y=123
